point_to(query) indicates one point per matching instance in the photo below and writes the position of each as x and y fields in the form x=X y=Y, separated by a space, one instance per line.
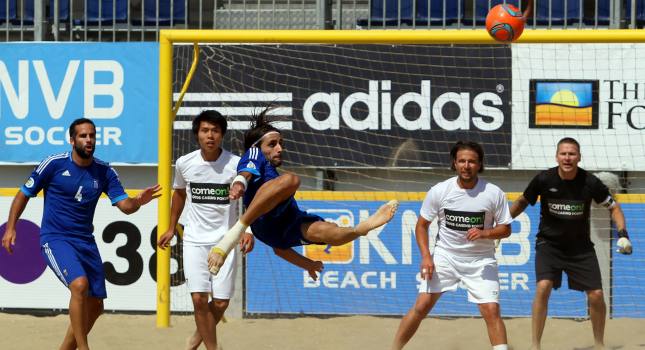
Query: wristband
x=218 y=251
x=623 y=234
x=241 y=179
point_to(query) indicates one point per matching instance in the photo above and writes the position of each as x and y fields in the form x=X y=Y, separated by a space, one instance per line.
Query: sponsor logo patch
x=464 y=220
x=209 y=193
x=566 y=209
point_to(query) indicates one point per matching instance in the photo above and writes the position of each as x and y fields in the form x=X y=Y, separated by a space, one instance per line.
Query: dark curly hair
x=473 y=146
x=260 y=125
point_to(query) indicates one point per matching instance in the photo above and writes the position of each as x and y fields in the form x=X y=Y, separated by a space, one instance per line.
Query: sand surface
x=122 y=332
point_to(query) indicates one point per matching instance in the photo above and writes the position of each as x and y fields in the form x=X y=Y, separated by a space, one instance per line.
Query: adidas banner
x=358 y=106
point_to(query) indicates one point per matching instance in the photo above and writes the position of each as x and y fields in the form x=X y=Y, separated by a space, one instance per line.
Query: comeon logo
x=567 y=207
x=464 y=220
x=482 y=111
x=474 y=220
x=563 y=104
x=209 y=191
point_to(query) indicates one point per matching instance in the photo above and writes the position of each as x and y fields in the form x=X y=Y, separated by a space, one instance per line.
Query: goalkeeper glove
x=623 y=243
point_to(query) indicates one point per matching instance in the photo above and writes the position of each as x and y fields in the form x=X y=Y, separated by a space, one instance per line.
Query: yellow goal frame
x=437 y=36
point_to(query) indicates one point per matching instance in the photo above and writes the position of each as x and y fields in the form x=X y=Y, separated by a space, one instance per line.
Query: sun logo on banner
x=343 y=254
x=564 y=104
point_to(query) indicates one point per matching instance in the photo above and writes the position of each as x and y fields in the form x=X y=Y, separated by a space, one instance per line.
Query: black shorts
x=582 y=268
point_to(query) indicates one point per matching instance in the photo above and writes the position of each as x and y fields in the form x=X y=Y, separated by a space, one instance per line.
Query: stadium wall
x=376 y=274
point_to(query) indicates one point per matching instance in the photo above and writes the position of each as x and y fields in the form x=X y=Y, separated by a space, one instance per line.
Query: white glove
x=624 y=246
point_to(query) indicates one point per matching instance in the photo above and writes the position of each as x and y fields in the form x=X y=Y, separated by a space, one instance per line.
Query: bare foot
x=382 y=216
x=216 y=258
x=193 y=342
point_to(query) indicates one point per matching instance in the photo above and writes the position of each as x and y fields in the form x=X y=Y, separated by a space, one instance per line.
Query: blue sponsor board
x=379 y=274
x=628 y=277
x=44 y=87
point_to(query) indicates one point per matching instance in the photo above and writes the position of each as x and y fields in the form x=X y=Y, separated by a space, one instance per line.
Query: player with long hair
x=272 y=211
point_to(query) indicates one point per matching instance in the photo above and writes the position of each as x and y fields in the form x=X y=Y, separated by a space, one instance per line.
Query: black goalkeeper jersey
x=565 y=207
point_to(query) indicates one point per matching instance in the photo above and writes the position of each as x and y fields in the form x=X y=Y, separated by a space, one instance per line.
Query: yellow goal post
x=168 y=38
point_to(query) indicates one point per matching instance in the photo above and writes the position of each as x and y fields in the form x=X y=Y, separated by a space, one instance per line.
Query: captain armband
x=608 y=203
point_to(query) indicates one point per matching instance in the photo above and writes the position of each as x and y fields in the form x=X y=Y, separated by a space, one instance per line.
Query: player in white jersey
x=202 y=181
x=471 y=213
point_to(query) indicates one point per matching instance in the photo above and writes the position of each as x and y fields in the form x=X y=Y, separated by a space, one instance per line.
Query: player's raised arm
x=305 y=263
x=132 y=204
x=17 y=207
x=239 y=184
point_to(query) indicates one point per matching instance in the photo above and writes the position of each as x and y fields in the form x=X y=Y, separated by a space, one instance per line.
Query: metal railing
x=141 y=20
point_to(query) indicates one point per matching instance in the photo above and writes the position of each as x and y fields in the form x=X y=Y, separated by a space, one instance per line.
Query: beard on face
x=80 y=150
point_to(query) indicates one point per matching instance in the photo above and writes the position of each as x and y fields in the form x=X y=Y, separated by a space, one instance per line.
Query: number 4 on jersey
x=79 y=194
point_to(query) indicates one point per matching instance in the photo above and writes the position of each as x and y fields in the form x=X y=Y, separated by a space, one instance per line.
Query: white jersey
x=208 y=212
x=458 y=210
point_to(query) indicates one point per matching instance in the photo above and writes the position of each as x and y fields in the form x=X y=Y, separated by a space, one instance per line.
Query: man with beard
x=471 y=213
x=73 y=183
x=272 y=211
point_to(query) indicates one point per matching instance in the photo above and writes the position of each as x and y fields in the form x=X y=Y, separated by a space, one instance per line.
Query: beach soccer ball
x=505 y=23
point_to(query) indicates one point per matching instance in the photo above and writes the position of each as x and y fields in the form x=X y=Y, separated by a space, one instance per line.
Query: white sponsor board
x=594 y=93
x=129 y=252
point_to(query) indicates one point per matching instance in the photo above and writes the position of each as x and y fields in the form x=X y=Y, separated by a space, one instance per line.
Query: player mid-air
x=272 y=211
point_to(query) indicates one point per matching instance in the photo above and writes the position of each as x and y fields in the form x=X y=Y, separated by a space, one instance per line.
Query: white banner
x=124 y=242
x=594 y=93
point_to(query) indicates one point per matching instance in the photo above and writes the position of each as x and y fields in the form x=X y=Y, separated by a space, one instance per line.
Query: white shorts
x=478 y=275
x=200 y=280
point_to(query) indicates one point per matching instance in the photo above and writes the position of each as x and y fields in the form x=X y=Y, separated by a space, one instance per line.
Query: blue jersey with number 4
x=71 y=195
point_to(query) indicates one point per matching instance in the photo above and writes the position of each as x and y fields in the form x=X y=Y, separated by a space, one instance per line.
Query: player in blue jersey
x=272 y=211
x=73 y=182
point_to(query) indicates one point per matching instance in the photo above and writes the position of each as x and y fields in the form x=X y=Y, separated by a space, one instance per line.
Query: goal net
x=365 y=123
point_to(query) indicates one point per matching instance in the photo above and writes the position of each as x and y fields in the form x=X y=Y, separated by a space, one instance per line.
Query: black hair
x=212 y=117
x=79 y=121
x=569 y=140
x=473 y=146
x=260 y=125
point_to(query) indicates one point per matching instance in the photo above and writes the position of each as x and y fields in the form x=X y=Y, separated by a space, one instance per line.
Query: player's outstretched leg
x=332 y=234
x=382 y=216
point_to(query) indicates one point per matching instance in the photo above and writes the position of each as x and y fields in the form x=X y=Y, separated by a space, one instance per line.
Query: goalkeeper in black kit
x=563 y=241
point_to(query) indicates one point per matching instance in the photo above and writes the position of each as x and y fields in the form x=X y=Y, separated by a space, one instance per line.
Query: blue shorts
x=284 y=231
x=73 y=258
